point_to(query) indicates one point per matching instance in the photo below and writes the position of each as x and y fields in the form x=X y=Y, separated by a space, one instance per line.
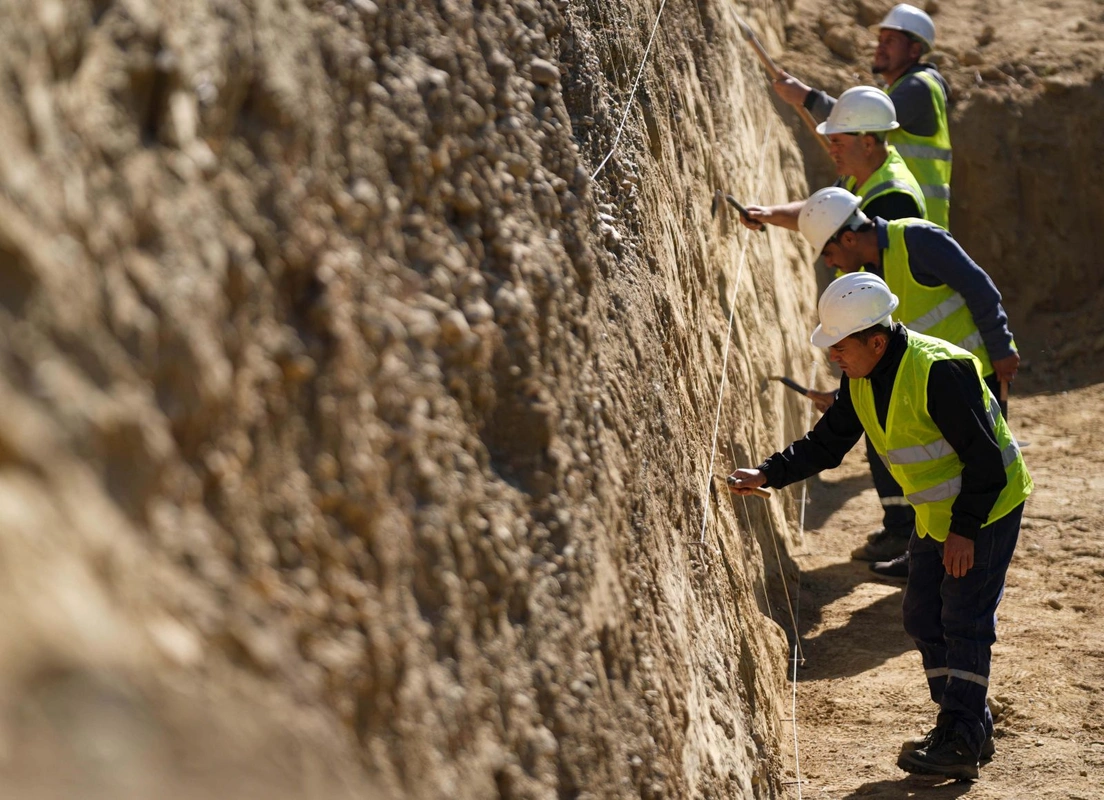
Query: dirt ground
x=861 y=690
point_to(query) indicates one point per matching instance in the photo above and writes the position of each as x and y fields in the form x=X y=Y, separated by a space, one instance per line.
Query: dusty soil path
x=861 y=691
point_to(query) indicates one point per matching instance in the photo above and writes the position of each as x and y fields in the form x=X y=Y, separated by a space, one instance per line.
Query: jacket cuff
x=765 y=468
x=965 y=527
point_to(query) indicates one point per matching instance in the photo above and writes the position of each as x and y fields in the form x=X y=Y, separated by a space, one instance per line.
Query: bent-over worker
x=923 y=404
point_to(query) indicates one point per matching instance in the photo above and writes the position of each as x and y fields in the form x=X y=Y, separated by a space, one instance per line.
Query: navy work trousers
x=954 y=623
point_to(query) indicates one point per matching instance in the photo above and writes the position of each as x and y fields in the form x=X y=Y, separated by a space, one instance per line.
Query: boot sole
x=962 y=772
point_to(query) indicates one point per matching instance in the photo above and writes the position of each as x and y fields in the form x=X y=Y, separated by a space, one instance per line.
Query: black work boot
x=947 y=754
x=894 y=568
x=988 y=747
x=882 y=545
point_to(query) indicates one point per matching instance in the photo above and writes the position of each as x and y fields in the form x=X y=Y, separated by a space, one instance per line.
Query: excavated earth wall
x=355 y=439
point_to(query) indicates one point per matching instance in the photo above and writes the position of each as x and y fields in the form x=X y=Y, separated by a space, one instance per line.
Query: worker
x=936 y=424
x=943 y=293
x=866 y=165
x=919 y=94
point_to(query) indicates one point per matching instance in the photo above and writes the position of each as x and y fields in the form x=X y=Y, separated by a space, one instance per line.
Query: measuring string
x=632 y=94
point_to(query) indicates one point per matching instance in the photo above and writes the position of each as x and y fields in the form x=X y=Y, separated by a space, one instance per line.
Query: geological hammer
x=797 y=387
x=717 y=195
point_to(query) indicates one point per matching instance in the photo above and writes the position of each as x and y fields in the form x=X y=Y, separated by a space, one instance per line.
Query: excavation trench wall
x=1030 y=182
x=356 y=442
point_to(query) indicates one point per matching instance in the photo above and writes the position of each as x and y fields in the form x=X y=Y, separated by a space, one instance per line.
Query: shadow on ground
x=871 y=636
x=910 y=787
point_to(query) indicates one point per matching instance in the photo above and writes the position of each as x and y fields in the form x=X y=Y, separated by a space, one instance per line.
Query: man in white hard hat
x=943 y=294
x=919 y=93
x=856 y=130
x=936 y=424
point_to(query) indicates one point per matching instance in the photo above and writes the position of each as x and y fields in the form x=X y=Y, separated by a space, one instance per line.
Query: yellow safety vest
x=912 y=447
x=929 y=157
x=937 y=311
x=892 y=176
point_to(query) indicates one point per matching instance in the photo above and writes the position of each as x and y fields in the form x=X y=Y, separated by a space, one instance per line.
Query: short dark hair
x=866 y=334
x=861 y=228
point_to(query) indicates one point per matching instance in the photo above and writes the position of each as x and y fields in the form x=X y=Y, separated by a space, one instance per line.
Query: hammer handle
x=776 y=74
x=797 y=387
x=744 y=213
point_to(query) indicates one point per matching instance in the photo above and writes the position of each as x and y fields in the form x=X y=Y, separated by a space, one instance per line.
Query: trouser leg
x=898 y=517
x=957 y=652
x=922 y=610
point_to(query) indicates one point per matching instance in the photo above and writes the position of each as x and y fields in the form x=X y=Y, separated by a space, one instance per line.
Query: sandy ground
x=861 y=690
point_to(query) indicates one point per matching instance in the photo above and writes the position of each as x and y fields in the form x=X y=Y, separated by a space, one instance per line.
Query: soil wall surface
x=356 y=439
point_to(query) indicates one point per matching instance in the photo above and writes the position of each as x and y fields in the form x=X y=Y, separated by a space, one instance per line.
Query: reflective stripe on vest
x=895 y=500
x=936 y=315
x=923 y=151
x=972 y=342
x=920 y=452
x=952 y=487
x=936 y=192
x=885 y=186
x=892 y=175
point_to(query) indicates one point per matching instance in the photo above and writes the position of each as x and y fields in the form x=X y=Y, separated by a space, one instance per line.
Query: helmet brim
x=821 y=338
x=825 y=130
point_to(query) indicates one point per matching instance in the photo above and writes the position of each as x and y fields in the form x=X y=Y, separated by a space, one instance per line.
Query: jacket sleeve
x=819 y=104
x=936 y=258
x=957 y=406
x=821 y=448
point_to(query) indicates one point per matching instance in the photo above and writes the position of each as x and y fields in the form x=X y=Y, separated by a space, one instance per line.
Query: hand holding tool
x=731 y=481
x=755 y=224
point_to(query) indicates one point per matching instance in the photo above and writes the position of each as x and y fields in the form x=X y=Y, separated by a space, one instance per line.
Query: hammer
x=717 y=195
x=797 y=387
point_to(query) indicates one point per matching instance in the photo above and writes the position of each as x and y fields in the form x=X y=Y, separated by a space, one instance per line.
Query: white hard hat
x=851 y=304
x=861 y=109
x=825 y=213
x=912 y=21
